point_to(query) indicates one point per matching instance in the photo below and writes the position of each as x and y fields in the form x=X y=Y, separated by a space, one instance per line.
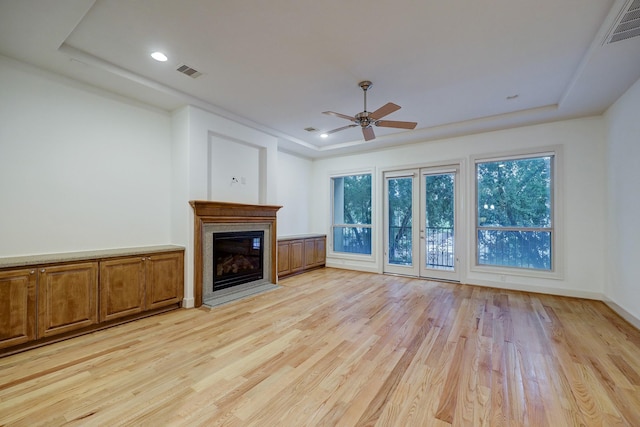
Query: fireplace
x=237 y=258
x=224 y=220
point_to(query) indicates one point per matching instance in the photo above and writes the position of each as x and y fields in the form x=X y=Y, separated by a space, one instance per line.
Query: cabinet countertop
x=300 y=237
x=54 y=258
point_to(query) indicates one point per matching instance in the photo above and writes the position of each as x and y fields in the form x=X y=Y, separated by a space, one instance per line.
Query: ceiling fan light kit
x=366 y=119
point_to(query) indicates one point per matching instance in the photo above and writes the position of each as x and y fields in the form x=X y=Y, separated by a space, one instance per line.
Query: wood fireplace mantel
x=207 y=212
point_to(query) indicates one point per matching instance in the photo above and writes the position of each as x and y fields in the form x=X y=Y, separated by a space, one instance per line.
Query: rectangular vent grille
x=192 y=72
x=628 y=24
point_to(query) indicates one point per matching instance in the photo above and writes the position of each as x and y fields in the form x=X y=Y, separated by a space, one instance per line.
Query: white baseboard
x=563 y=292
x=188 y=303
x=623 y=313
x=348 y=266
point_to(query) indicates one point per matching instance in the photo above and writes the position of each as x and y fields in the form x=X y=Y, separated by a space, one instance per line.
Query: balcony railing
x=439 y=243
x=515 y=248
x=352 y=239
x=440 y=247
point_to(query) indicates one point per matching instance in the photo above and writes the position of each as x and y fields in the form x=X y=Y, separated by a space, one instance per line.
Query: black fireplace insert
x=237 y=258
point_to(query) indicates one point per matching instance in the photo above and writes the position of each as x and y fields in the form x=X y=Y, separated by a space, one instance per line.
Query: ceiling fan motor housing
x=363 y=119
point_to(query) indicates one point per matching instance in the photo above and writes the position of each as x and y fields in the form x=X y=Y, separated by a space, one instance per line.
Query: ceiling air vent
x=311 y=129
x=192 y=72
x=628 y=23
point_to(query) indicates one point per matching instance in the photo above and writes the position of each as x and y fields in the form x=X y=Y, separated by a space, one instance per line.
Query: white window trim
x=557 y=243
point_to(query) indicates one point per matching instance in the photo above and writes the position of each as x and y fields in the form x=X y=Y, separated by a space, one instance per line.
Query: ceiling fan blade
x=368 y=133
x=396 y=124
x=339 y=129
x=386 y=109
x=343 y=116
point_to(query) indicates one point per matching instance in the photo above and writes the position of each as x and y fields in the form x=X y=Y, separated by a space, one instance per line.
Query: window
x=351 y=223
x=514 y=215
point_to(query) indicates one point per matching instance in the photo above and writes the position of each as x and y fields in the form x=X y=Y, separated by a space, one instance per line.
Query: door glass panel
x=439 y=221
x=400 y=195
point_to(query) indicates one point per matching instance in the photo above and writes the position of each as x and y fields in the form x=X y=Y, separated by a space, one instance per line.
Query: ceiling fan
x=366 y=119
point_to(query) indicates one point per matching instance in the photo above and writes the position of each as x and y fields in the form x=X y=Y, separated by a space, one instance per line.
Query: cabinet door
x=309 y=253
x=297 y=255
x=122 y=283
x=314 y=252
x=284 y=265
x=17 y=307
x=164 y=279
x=320 y=250
x=67 y=297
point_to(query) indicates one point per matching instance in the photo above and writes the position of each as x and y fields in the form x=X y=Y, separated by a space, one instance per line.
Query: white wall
x=623 y=229
x=294 y=194
x=234 y=170
x=583 y=146
x=80 y=168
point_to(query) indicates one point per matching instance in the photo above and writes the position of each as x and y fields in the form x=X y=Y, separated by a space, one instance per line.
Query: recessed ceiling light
x=159 y=56
x=324 y=135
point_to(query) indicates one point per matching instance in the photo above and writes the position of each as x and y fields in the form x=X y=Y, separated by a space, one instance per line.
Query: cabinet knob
x=32 y=272
x=143 y=258
x=43 y=270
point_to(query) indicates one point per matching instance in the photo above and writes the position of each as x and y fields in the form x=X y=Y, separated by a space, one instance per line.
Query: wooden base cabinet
x=135 y=284
x=17 y=307
x=46 y=301
x=47 y=298
x=299 y=254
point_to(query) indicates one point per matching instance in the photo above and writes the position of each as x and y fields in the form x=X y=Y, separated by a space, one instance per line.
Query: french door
x=421 y=219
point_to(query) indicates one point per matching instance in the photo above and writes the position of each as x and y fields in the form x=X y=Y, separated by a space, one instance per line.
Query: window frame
x=556 y=213
x=370 y=226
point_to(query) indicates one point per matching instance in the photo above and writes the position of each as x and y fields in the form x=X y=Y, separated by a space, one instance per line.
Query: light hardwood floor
x=334 y=347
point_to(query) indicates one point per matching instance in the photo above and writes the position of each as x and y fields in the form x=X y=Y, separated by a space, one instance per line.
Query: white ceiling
x=277 y=65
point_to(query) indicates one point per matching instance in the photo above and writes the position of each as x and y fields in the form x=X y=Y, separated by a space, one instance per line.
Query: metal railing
x=439 y=244
x=514 y=248
x=355 y=240
x=440 y=247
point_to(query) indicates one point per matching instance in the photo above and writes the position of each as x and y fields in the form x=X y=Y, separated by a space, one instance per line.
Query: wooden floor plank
x=342 y=348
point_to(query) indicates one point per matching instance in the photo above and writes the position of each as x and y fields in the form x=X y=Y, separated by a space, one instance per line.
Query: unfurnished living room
x=319 y=213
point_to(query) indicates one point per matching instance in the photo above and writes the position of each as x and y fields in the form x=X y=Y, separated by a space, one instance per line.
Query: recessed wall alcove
x=211 y=216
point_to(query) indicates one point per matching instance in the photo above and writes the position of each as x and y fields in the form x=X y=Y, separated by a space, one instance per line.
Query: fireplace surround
x=223 y=217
